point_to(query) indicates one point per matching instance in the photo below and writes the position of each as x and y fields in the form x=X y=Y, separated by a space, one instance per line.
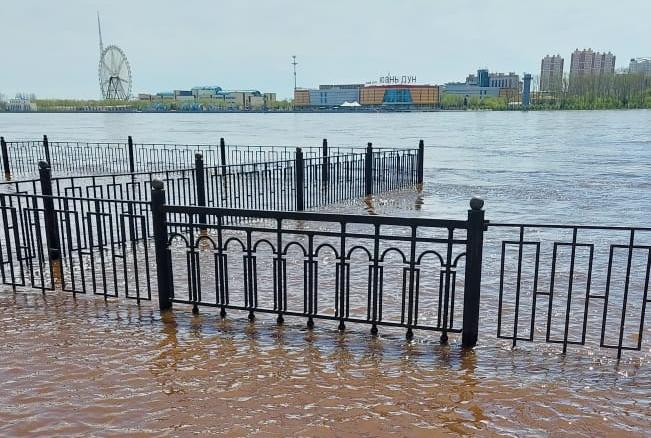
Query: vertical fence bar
x=132 y=169
x=132 y=163
x=200 y=184
x=368 y=170
x=325 y=167
x=474 y=250
x=299 y=176
x=222 y=154
x=46 y=148
x=5 y=158
x=420 y=166
x=49 y=215
x=163 y=263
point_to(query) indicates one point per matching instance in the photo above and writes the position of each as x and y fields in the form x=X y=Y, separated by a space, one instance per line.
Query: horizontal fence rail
x=383 y=271
x=572 y=284
x=20 y=157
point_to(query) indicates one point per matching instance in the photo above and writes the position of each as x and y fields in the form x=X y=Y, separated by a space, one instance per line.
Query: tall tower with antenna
x=99 y=28
x=294 y=63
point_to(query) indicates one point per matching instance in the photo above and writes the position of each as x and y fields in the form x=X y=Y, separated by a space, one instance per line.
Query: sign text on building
x=393 y=79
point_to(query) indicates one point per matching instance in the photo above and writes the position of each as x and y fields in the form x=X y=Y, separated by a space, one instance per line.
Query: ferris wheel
x=114 y=71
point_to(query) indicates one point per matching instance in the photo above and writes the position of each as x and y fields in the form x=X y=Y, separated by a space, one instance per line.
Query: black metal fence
x=82 y=245
x=569 y=284
x=19 y=158
x=235 y=237
x=92 y=233
x=383 y=271
x=297 y=184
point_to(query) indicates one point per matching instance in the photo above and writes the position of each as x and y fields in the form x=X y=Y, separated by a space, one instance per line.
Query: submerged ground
x=84 y=366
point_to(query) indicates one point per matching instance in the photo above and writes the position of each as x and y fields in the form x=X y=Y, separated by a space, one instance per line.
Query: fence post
x=471 y=295
x=368 y=169
x=299 y=176
x=325 y=169
x=46 y=147
x=222 y=154
x=200 y=183
x=51 y=227
x=132 y=225
x=5 y=158
x=132 y=163
x=419 y=170
x=163 y=265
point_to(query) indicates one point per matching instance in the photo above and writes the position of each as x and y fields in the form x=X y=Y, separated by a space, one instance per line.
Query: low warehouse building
x=400 y=95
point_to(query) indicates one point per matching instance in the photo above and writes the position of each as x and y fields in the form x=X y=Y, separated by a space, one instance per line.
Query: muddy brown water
x=84 y=366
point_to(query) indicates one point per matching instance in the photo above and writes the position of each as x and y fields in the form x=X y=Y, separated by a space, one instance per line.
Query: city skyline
x=180 y=46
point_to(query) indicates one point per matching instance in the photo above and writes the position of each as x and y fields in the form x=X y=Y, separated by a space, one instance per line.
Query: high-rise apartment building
x=640 y=66
x=586 y=62
x=551 y=73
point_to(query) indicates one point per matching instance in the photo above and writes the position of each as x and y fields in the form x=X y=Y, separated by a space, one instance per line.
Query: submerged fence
x=82 y=245
x=566 y=283
x=362 y=269
x=77 y=158
x=237 y=237
x=297 y=184
x=572 y=284
x=92 y=233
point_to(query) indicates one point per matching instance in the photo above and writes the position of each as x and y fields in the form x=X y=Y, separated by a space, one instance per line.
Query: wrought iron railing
x=378 y=270
x=572 y=284
x=295 y=184
x=91 y=233
x=236 y=237
x=19 y=158
x=81 y=245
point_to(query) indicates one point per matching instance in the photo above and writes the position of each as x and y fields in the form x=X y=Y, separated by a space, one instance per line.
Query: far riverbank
x=106 y=110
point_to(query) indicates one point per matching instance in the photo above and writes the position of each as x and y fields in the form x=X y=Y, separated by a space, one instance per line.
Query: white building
x=640 y=66
x=21 y=105
x=469 y=90
x=503 y=80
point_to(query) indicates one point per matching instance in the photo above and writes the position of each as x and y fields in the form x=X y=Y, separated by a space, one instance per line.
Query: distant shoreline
x=322 y=111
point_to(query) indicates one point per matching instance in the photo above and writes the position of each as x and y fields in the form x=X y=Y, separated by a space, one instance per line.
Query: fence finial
x=476 y=203
x=157 y=184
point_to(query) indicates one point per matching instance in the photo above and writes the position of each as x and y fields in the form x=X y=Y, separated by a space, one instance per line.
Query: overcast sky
x=51 y=47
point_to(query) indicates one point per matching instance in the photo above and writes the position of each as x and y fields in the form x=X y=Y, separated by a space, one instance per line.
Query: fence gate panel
x=572 y=285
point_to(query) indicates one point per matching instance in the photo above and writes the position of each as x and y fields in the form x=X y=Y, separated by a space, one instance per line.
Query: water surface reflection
x=76 y=366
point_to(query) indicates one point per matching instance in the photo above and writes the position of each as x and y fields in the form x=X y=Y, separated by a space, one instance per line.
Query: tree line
x=603 y=91
x=585 y=92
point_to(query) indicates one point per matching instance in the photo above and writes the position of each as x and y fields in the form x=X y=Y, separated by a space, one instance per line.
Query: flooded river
x=85 y=366
x=78 y=367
